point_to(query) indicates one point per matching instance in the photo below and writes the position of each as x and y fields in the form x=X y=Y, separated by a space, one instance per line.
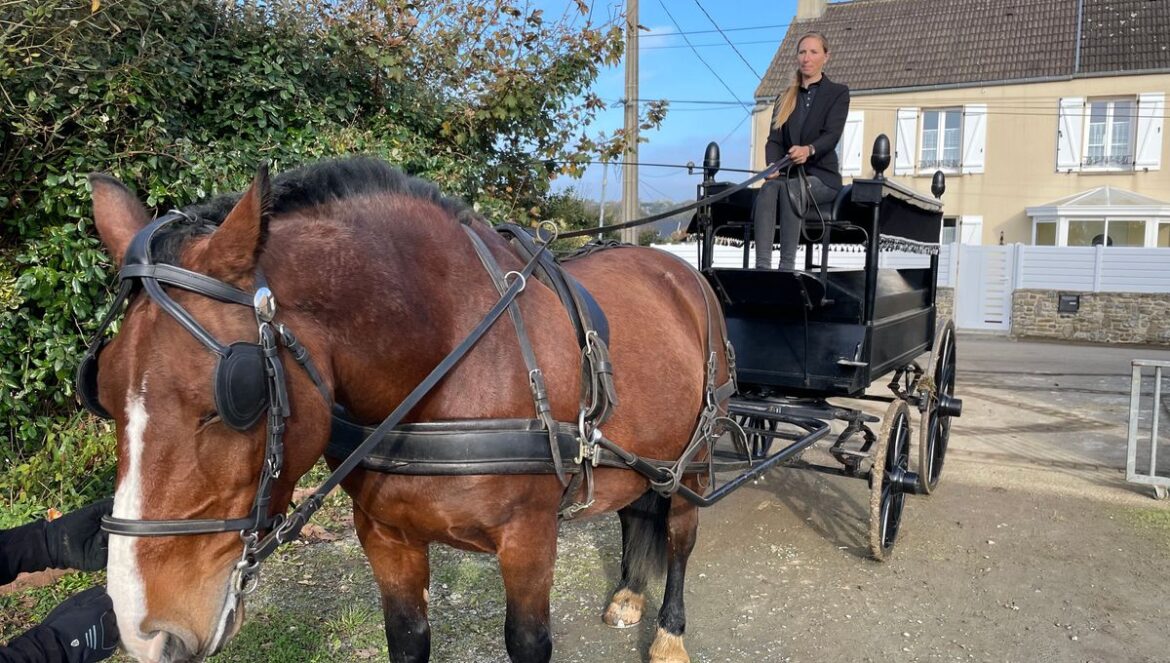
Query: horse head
x=193 y=441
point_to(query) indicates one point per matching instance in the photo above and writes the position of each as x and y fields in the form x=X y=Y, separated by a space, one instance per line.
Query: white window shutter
x=974 y=137
x=971 y=229
x=1070 y=133
x=906 y=141
x=852 y=144
x=1148 y=152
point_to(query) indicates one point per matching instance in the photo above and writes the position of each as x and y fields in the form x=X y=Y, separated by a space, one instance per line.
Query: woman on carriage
x=807 y=123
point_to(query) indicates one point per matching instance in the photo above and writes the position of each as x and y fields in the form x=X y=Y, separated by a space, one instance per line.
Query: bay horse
x=376 y=274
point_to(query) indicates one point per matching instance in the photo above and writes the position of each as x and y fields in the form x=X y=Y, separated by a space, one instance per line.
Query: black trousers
x=774 y=200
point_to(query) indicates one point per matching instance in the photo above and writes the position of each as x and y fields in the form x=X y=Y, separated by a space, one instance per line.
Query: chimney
x=810 y=9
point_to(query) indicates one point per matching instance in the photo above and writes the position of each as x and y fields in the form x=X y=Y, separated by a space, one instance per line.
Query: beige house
x=1028 y=106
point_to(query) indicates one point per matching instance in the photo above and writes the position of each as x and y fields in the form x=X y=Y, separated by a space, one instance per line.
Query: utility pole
x=601 y=215
x=630 y=170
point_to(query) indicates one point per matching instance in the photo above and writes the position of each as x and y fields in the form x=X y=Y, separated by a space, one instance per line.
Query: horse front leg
x=681 y=531
x=527 y=553
x=402 y=569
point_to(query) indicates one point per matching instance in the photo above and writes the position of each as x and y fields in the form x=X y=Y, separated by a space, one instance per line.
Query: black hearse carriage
x=807 y=335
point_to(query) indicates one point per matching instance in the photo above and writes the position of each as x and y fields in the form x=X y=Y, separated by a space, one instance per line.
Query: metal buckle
x=586 y=441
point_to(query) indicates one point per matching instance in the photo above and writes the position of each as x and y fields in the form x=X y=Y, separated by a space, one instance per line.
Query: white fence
x=1092 y=269
x=839 y=257
x=1073 y=268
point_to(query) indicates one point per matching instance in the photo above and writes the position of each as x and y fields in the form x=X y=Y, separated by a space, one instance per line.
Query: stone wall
x=944 y=303
x=1103 y=317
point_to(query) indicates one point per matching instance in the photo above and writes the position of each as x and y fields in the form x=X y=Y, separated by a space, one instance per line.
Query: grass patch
x=22 y=610
x=278 y=637
x=1153 y=523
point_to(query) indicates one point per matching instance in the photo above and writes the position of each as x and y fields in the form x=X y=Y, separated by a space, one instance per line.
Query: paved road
x=1054 y=404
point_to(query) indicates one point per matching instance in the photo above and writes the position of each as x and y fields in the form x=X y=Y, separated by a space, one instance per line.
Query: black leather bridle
x=261 y=532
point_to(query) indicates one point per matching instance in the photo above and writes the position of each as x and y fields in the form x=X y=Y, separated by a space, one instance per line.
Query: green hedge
x=182 y=100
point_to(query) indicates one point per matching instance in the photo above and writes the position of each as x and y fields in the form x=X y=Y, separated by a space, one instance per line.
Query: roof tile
x=884 y=44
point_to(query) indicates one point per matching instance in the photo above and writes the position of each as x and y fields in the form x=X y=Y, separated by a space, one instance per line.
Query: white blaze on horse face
x=125 y=584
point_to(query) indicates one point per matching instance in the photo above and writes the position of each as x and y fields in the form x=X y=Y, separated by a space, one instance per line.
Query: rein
x=702 y=202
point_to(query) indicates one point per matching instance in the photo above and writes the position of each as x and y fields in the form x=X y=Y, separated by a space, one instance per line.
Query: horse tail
x=644 y=535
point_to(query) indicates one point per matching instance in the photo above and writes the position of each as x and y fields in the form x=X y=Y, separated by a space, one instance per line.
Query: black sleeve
x=774 y=148
x=835 y=119
x=22 y=550
x=37 y=645
x=82 y=629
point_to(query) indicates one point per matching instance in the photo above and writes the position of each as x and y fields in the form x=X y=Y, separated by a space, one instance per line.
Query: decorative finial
x=938 y=184
x=880 y=159
x=711 y=161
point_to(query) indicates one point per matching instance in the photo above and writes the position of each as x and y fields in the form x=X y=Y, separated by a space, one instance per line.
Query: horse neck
x=381 y=291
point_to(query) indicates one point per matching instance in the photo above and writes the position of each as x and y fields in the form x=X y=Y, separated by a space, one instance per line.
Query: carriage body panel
x=823 y=330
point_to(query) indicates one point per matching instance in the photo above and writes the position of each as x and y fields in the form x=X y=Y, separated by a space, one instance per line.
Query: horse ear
x=117 y=214
x=233 y=249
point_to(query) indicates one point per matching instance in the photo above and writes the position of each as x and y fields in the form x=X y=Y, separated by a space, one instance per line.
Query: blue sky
x=670 y=69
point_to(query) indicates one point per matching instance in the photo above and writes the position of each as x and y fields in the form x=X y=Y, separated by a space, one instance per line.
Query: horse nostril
x=172 y=645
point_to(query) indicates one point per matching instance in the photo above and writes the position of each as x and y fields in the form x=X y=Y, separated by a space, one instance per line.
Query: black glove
x=85 y=626
x=80 y=630
x=76 y=540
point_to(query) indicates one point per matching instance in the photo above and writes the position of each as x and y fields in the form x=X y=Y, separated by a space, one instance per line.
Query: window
x=1110 y=134
x=949 y=139
x=942 y=133
x=1045 y=233
x=1164 y=235
x=1126 y=233
x=949 y=230
x=1086 y=232
x=1099 y=232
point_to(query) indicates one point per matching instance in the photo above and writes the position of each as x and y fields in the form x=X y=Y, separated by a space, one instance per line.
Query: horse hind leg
x=682 y=529
x=643 y=557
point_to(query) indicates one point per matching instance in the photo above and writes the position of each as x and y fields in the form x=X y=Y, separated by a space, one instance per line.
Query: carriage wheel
x=890 y=479
x=758 y=444
x=941 y=405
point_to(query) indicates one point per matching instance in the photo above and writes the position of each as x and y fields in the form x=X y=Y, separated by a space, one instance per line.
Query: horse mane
x=330 y=181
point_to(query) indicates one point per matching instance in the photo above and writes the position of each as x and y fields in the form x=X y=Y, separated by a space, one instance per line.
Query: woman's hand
x=800 y=153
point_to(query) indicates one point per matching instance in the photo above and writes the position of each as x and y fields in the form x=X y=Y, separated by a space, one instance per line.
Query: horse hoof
x=668 y=648
x=625 y=610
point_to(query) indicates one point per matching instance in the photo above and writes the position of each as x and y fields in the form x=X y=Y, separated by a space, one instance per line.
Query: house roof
x=884 y=44
x=1101 y=199
x=1105 y=195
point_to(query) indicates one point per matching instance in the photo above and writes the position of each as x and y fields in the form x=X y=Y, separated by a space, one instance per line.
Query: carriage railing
x=1137 y=423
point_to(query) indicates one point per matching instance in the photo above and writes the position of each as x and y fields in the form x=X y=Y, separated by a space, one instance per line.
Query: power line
x=696 y=52
x=728 y=40
x=706 y=32
x=730 y=133
x=741 y=43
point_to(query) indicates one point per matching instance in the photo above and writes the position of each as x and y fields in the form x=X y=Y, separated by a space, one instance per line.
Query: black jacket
x=822 y=128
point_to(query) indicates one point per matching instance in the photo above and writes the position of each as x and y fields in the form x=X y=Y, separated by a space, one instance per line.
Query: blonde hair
x=786 y=103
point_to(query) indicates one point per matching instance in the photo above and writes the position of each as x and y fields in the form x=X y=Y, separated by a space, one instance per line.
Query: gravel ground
x=1034 y=548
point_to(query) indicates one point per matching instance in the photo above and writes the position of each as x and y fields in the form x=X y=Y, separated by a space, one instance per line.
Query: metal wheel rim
x=935 y=430
x=887 y=500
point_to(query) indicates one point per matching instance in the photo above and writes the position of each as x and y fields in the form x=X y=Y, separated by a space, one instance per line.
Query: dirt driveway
x=1033 y=549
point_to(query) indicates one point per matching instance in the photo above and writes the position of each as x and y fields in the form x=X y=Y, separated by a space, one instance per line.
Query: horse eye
x=208 y=419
